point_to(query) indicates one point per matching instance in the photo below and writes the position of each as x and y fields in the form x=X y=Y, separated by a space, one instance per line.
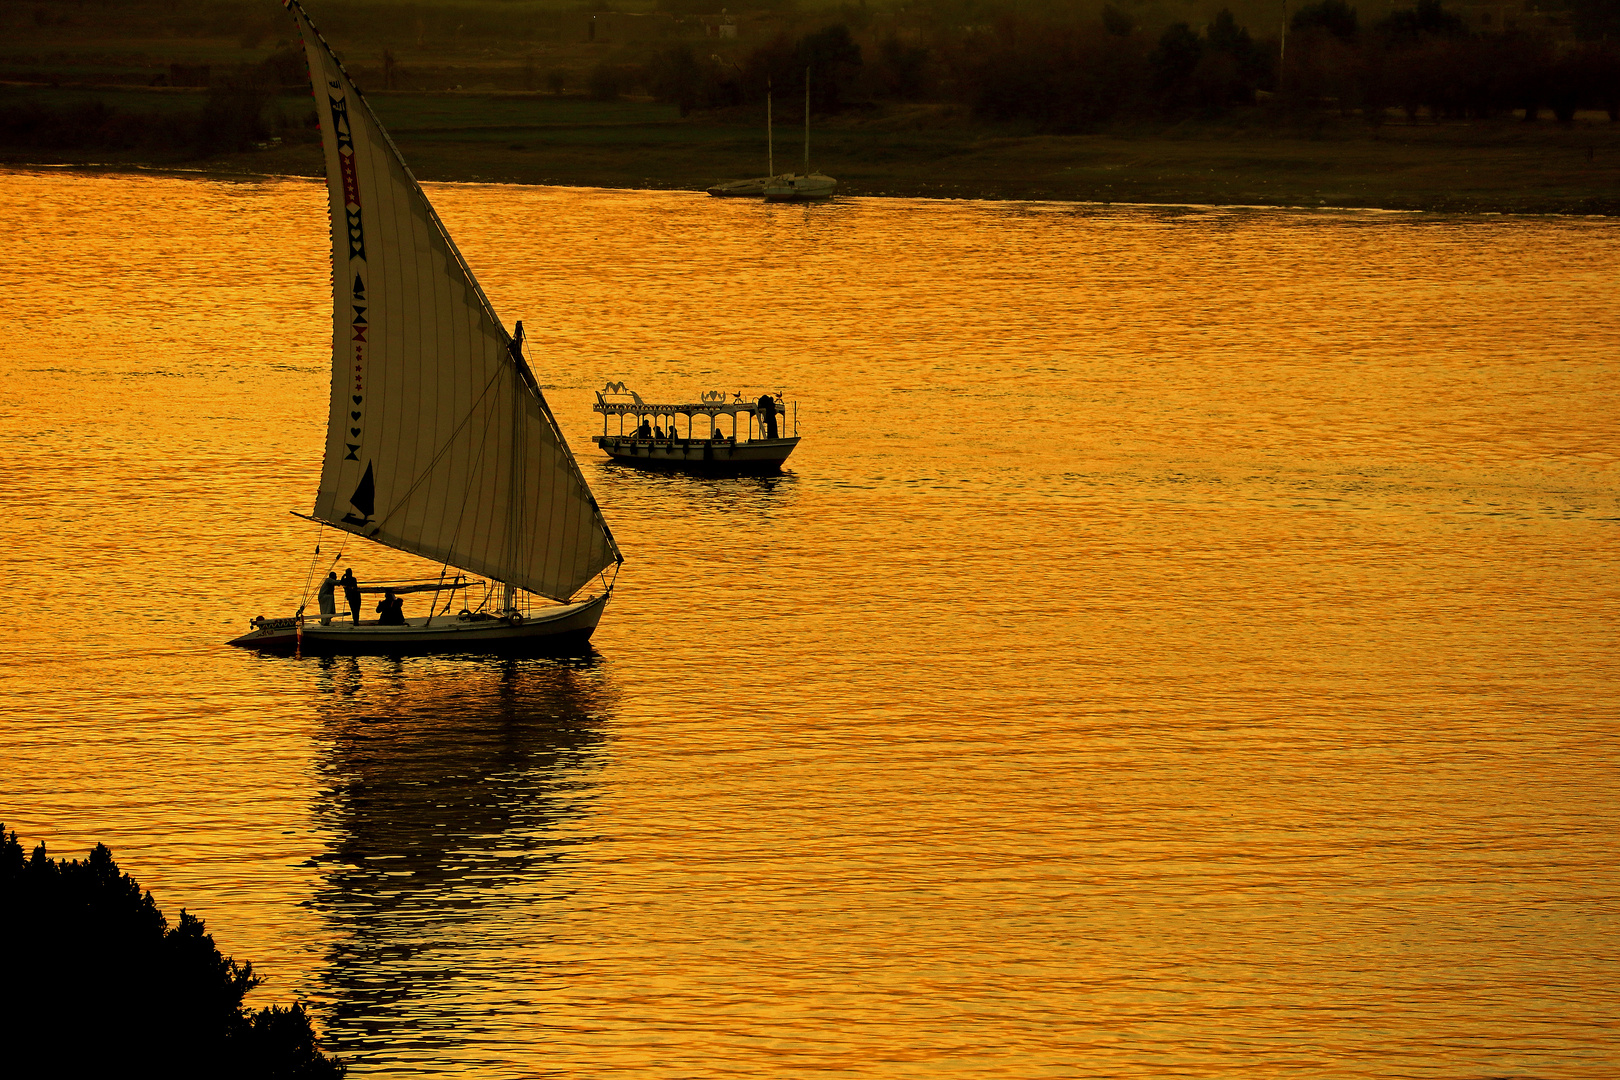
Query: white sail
x=440 y=442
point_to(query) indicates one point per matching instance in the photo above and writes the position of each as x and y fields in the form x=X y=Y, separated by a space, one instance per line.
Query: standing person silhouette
x=351 y=593
x=327 y=598
x=767 y=414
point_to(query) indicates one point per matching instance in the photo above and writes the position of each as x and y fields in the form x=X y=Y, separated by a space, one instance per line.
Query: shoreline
x=182 y=171
x=1506 y=167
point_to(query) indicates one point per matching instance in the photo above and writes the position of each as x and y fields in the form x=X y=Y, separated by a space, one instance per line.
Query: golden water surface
x=1183 y=644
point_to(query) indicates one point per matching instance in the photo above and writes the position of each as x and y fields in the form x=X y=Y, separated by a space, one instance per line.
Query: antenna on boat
x=770 y=150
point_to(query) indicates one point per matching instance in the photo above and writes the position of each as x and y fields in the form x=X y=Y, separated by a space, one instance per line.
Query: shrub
x=91 y=955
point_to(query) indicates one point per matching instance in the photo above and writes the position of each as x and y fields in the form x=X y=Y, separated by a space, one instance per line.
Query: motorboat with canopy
x=752 y=438
x=439 y=442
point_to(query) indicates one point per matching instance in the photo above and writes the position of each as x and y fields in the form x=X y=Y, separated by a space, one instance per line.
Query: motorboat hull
x=699 y=455
x=554 y=631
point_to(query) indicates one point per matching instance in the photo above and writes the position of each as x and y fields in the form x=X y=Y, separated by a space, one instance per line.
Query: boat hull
x=800 y=188
x=699 y=455
x=741 y=189
x=558 y=631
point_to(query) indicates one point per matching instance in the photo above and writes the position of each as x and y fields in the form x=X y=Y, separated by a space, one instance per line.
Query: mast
x=1282 y=47
x=770 y=150
x=807 y=121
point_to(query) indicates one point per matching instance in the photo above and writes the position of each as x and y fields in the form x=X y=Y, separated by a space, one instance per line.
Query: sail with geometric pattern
x=439 y=441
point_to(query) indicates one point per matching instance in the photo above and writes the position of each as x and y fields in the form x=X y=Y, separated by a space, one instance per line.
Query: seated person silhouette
x=391 y=611
x=644 y=431
x=658 y=432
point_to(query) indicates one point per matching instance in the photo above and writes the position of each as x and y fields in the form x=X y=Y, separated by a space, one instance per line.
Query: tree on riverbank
x=1075 y=72
x=1032 y=68
x=1424 y=61
x=235 y=115
x=96 y=978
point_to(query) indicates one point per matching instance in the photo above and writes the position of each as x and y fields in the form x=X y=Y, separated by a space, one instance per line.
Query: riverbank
x=1504 y=166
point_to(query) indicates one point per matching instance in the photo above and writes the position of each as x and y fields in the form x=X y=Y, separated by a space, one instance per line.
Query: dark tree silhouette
x=1334 y=16
x=93 y=971
x=1247 y=64
x=1174 y=61
x=1062 y=76
x=831 y=55
x=233 y=115
x=1429 y=19
x=1595 y=20
x=1117 y=22
x=675 y=75
x=902 y=68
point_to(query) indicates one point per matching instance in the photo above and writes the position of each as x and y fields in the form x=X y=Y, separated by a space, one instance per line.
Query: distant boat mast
x=807 y=121
x=770 y=149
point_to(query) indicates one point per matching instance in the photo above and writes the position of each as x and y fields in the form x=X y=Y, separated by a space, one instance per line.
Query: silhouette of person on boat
x=767 y=414
x=391 y=610
x=328 y=598
x=644 y=431
x=351 y=593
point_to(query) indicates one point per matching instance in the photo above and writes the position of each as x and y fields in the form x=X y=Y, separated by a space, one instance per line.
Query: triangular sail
x=439 y=442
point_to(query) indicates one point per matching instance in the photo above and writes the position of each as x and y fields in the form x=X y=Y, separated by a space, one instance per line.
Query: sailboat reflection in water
x=439 y=441
x=457 y=799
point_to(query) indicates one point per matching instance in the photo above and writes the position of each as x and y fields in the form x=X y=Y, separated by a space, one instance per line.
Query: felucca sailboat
x=439 y=441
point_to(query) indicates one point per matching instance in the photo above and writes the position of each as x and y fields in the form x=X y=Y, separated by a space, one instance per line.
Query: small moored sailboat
x=784 y=187
x=805 y=186
x=439 y=442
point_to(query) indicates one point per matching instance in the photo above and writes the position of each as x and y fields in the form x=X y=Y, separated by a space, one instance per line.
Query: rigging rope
x=309 y=575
